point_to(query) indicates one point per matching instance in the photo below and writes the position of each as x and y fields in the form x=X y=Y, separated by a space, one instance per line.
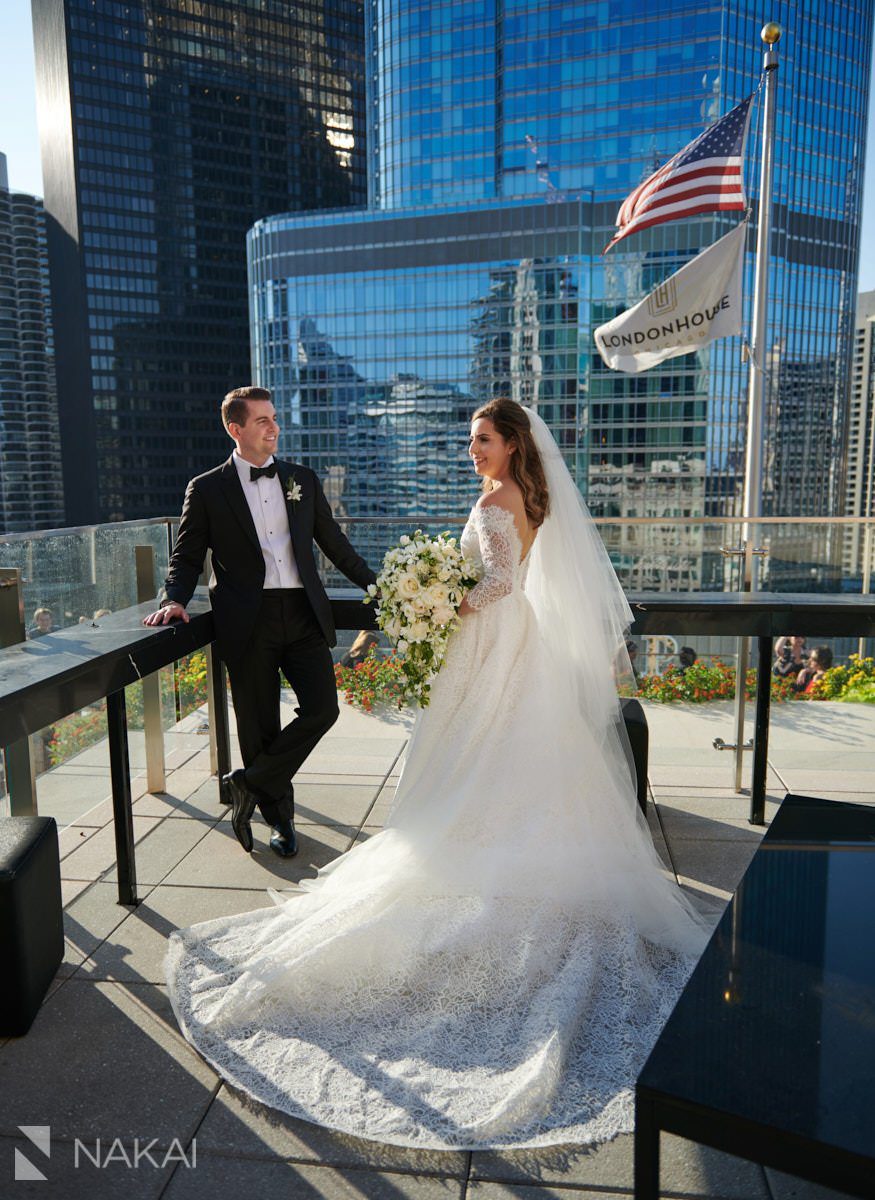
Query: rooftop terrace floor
x=104 y=1058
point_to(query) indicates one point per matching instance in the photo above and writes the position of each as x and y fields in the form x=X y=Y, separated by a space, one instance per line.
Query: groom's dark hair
x=234 y=406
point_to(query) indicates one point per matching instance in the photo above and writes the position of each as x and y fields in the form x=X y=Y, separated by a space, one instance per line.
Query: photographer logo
x=100 y=1154
x=41 y=1137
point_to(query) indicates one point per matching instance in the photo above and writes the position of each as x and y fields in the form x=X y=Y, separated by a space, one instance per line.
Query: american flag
x=705 y=176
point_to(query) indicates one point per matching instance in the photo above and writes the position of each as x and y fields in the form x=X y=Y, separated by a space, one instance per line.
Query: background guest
x=42 y=623
x=791 y=656
x=819 y=662
x=360 y=648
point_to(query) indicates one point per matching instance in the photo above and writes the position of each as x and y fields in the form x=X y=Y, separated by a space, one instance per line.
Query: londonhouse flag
x=700 y=302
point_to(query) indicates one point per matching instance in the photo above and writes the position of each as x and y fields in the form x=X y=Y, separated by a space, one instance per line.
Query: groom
x=260 y=516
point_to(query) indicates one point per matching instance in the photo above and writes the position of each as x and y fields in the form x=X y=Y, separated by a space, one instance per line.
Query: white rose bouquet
x=421 y=585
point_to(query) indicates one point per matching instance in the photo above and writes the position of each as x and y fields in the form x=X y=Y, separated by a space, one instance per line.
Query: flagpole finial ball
x=771 y=33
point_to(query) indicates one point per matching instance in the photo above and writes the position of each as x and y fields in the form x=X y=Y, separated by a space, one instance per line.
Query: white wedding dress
x=493 y=967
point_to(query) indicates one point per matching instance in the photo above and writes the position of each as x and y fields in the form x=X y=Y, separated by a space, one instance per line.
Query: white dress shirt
x=267 y=503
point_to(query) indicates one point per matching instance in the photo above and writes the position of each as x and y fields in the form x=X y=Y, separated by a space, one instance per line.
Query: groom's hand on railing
x=169 y=612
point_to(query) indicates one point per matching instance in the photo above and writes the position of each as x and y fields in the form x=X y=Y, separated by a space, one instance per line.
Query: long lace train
x=492 y=968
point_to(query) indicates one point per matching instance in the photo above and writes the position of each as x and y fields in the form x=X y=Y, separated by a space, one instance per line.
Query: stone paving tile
x=822 y=759
x=342 y=766
x=89 y=918
x=90 y=802
x=97 y=854
x=73 y=837
x=100 y=813
x=219 y=1176
x=356 y=723
x=259 y=1132
x=866 y=798
x=185 y=780
x=338 y=746
x=788 y=1187
x=162 y=847
x=719 y=865
x=71 y=888
x=200 y=761
x=478 y=1190
x=691 y=760
x=677 y=823
x=826 y=718
x=675 y=772
x=134 y=951
x=811 y=783
x=329 y=776
x=105 y=1060
x=333 y=803
x=201 y=803
x=686 y=1169
x=218 y=860
x=718 y=804
x=65 y=1178
x=73 y=767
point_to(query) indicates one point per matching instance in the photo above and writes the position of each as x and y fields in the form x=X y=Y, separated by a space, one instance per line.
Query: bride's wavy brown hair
x=511 y=421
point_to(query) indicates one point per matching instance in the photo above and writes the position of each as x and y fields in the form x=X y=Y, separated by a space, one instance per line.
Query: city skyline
x=19 y=139
x=478 y=269
x=166 y=132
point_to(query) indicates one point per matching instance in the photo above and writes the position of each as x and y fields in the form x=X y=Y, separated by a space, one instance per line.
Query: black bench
x=770 y=1051
x=31 y=920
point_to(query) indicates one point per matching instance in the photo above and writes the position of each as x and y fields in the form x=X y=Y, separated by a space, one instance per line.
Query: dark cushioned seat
x=31 y=920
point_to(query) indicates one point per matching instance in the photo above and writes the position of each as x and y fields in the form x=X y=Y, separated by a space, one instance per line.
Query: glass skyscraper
x=167 y=128
x=31 y=491
x=502 y=139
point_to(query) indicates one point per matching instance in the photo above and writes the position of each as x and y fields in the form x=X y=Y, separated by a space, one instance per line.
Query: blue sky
x=18 y=133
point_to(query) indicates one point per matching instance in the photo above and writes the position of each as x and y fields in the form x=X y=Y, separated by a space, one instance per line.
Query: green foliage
x=853 y=682
x=704 y=681
x=377 y=681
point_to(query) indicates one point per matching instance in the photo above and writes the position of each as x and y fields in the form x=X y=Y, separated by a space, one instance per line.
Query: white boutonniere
x=293 y=490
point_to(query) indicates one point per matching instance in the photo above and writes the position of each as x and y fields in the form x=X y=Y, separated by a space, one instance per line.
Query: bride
x=492 y=968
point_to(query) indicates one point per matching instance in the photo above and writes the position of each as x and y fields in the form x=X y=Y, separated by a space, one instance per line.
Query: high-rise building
x=860 y=479
x=502 y=139
x=31 y=491
x=167 y=128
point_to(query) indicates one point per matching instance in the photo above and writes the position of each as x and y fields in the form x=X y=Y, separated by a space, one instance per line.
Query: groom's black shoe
x=283 y=840
x=243 y=802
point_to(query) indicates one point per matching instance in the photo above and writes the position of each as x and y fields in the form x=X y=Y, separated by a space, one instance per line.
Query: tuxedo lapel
x=233 y=490
x=286 y=475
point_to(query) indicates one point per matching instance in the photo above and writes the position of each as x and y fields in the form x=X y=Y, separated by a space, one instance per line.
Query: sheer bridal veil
x=581 y=609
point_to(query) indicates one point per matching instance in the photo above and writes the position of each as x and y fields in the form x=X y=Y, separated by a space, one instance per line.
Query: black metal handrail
x=45 y=679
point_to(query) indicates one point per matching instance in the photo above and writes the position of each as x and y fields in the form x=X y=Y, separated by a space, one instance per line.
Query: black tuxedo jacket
x=215 y=516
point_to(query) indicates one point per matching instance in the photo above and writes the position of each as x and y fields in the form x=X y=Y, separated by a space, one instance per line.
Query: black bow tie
x=257 y=472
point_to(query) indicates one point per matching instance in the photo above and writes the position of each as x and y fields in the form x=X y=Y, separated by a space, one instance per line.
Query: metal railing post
x=867 y=573
x=122 y=810
x=217 y=701
x=156 y=773
x=741 y=669
x=18 y=758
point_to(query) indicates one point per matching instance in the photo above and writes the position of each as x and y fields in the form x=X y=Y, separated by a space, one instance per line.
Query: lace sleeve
x=499 y=550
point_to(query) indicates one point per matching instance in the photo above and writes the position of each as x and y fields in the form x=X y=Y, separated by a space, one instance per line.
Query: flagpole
x=752 y=506
x=753 y=469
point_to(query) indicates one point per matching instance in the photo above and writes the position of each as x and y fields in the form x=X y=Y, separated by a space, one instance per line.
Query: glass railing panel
x=75 y=574
x=686 y=554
